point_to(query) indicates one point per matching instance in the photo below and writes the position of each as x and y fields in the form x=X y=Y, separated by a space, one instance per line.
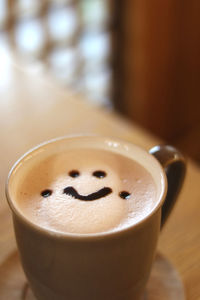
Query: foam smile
x=93 y=196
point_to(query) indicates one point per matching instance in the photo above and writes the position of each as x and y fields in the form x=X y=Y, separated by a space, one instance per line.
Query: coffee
x=85 y=191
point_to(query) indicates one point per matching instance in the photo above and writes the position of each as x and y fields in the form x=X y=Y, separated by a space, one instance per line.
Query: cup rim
x=88 y=236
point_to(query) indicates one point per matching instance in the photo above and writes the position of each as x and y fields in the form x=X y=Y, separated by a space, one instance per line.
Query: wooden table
x=33 y=109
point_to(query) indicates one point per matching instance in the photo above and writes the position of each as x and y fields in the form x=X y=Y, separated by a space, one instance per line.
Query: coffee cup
x=87 y=213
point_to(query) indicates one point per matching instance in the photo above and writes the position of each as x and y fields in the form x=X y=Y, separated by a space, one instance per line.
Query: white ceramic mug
x=99 y=266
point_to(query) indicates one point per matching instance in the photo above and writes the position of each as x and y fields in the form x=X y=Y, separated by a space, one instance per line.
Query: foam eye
x=99 y=174
x=74 y=173
x=46 y=193
x=124 y=195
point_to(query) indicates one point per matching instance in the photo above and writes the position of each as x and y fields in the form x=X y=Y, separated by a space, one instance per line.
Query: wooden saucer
x=164 y=282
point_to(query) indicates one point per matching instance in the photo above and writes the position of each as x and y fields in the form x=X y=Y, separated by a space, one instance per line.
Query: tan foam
x=64 y=213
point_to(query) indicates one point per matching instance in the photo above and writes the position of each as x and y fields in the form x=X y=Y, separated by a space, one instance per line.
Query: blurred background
x=139 y=58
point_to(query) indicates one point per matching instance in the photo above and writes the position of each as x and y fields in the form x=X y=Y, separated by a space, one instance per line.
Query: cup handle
x=174 y=165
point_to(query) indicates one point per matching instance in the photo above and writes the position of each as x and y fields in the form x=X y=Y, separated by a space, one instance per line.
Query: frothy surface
x=63 y=212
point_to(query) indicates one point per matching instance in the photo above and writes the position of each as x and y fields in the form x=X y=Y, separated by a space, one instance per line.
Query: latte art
x=85 y=191
x=93 y=196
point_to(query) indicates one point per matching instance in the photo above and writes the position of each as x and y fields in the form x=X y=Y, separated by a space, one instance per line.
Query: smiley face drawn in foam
x=49 y=193
x=71 y=191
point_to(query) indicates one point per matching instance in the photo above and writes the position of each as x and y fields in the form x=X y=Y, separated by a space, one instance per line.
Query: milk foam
x=64 y=213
